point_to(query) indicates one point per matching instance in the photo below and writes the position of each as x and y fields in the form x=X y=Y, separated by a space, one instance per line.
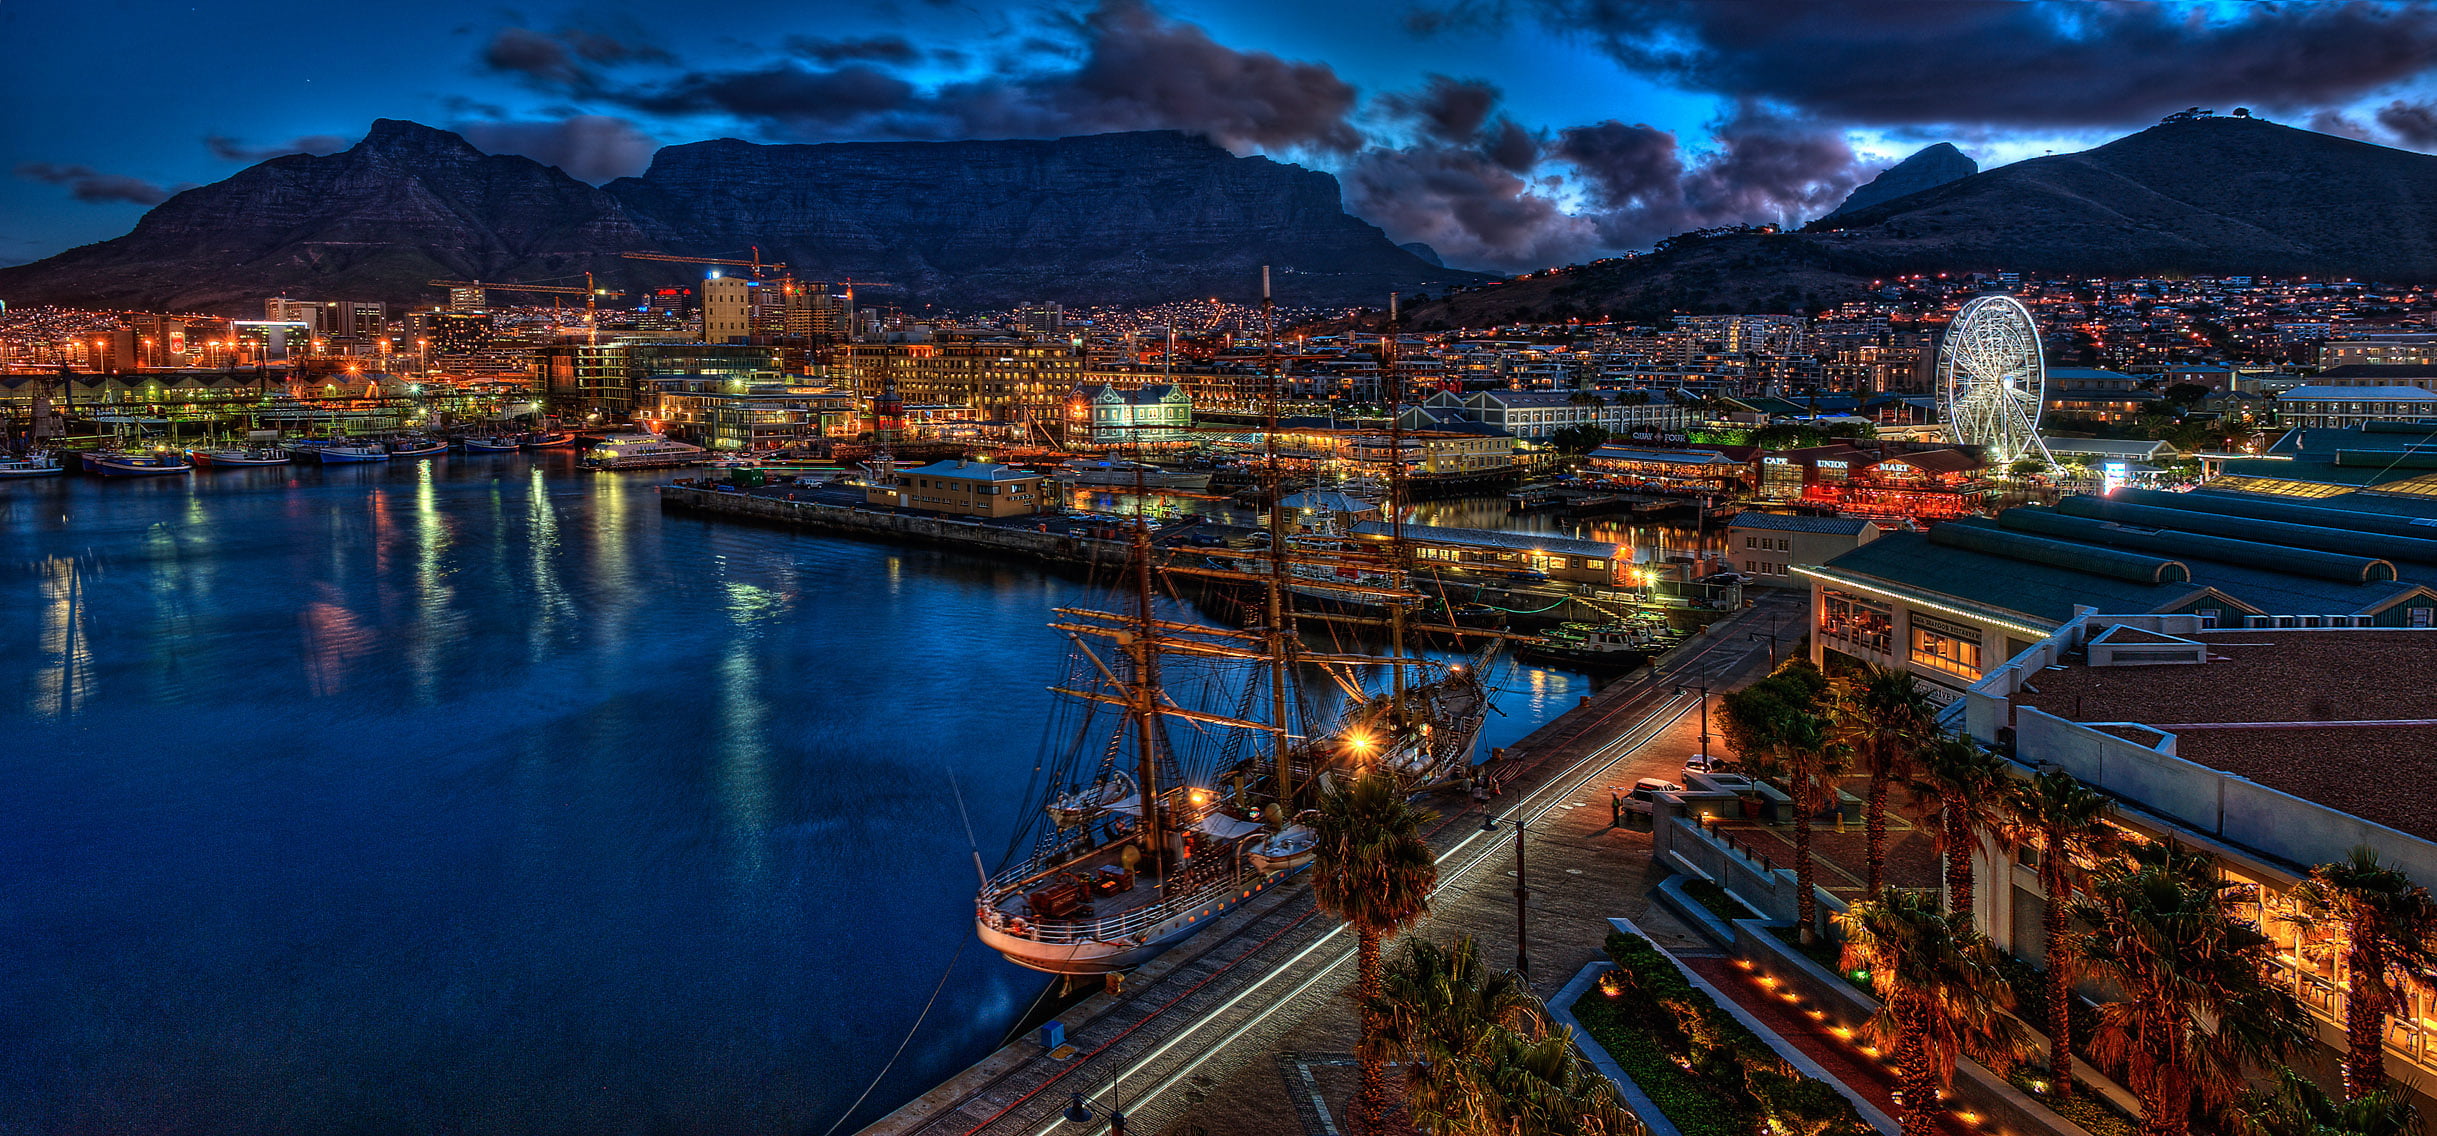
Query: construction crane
x=757 y=264
x=591 y=331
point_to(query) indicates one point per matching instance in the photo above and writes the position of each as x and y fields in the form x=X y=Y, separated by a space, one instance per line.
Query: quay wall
x=1053 y=547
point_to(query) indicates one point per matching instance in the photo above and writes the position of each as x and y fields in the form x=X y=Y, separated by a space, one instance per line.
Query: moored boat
x=503 y=444
x=260 y=455
x=547 y=440
x=136 y=465
x=36 y=464
x=354 y=452
x=417 y=448
x=1128 y=474
x=1603 y=648
x=643 y=451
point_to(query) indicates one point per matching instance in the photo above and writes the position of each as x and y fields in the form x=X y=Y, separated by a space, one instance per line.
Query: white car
x=1646 y=790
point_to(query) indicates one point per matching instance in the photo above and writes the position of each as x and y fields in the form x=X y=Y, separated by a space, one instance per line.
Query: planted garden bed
x=1705 y=1070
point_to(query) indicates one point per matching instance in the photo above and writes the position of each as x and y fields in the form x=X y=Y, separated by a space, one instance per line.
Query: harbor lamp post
x=1079 y=1112
x=1703 y=687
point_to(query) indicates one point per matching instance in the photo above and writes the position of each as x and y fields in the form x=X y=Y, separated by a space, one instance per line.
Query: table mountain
x=2215 y=195
x=1130 y=218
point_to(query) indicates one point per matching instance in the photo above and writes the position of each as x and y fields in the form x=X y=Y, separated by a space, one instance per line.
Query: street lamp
x=1078 y=1112
x=1703 y=687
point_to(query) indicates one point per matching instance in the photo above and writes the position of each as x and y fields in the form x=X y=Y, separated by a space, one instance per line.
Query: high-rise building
x=280 y=309
x=1042 y=318
x=468 y=299
x=727 y=309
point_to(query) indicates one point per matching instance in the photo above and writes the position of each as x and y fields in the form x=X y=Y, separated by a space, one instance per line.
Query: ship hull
x=119 y=467
x=1087 y=956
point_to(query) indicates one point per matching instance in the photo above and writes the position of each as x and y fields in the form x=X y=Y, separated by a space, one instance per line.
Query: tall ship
x=1183 y=758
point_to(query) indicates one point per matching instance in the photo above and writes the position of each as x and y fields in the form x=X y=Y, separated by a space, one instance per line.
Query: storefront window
x=1950 y=647
x=1860 y=622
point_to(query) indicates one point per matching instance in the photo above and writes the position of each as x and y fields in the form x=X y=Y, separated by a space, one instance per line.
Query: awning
x=1226 y=827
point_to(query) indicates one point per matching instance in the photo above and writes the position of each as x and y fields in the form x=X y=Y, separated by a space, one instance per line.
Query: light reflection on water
x=482 y=797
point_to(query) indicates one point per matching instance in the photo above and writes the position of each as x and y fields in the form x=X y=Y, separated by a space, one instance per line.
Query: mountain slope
x=1928 y=168
x=2205 y=196
x=1115 y=218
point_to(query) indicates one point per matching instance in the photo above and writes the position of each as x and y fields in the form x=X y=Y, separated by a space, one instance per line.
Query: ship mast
x=1393 y=387
x=1145 y=649
x=1280 y=635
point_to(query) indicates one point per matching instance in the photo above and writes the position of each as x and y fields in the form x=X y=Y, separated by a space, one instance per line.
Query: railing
x=1106 y=930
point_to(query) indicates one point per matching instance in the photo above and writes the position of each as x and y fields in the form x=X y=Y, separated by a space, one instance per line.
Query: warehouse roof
x=1784 y=522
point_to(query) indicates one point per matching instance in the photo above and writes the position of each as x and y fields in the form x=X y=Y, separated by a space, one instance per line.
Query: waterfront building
x=729 y=414
x=1107 y=414
x=2422 y=375
x=2412 y=348
x=2375 y=467
x=1007 y=379
x=1498 y=552
x=1952 y=603
x=2274 y=750
x=612 y=381
x=1764 y=546
x=1709 y=470
x=1535 y=415
x=963 y=489
x=2337 y=406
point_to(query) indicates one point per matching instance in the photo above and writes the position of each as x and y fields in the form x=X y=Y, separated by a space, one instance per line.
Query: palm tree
x=1442 y=1015
x=1940 y=995
x=1883 y=719
x=2065 y=819
x=1966 y=784
x=1372 y=869
x=1777 y=728
x=2389 y=924
x=2298 y=1107
x=2196 y=1003
x=1540 y=1086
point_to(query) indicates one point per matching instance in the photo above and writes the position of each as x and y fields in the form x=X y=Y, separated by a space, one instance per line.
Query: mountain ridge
x=1136 y=217
x=2206 y=196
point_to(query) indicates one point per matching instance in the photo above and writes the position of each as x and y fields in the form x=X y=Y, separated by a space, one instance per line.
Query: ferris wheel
x=1991 y=380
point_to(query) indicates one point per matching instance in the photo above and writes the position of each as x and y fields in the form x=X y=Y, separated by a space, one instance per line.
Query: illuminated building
x=1007 y=380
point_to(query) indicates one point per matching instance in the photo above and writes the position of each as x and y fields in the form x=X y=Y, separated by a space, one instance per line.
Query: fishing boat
x=546 y=440
x=350 y=453
x=643 y=451
x=503 y=444
x=136 y=465
x=232 y=457
x=1129 y=475
x=36 y=464
x=418 y=447
x=1597 y=648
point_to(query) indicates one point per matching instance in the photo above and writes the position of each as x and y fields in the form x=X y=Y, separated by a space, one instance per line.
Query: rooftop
x=2384 y=394
x=2345 y=718
x=1783 y=522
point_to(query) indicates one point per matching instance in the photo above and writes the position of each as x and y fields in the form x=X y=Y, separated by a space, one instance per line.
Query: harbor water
x=478 y=796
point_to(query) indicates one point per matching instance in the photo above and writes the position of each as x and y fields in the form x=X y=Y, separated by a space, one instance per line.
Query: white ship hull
x=1057 y=946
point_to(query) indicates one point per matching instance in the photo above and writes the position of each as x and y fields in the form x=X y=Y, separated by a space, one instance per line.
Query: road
x=1203 y=1018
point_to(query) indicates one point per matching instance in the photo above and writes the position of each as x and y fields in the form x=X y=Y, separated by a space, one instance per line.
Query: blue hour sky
x=1506 y=133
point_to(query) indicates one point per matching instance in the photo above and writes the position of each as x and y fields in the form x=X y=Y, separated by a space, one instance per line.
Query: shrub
x=1705 y=1070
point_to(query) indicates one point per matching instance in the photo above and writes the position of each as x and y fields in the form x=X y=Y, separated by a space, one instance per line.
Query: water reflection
x=64 y=658
x=437 y=796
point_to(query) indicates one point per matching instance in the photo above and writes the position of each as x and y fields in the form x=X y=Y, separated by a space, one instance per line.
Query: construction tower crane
x=589 y=293
x=757 y=264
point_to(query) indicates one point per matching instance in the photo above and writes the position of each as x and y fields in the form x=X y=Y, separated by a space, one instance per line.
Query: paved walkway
x=1842 y=1057
x=1582 y=870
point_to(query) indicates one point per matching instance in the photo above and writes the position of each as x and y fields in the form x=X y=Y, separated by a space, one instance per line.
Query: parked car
x=1647 y=790
x=1528 y=576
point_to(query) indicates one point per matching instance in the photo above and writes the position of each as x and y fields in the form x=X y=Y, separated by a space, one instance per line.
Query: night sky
x=1507 y=134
